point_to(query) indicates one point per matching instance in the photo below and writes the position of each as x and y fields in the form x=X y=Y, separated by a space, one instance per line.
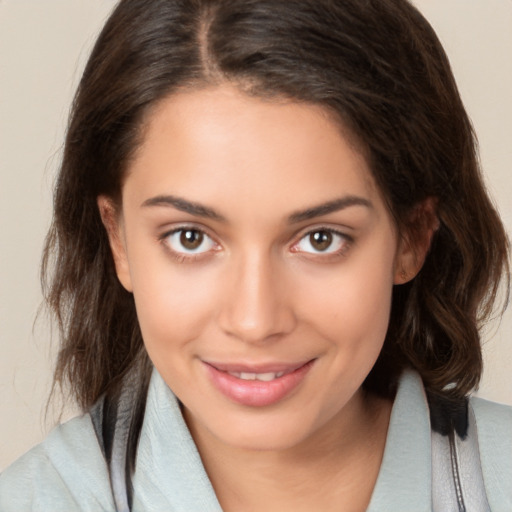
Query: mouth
x=264 y=377
x=264 y=372
x=257 y=385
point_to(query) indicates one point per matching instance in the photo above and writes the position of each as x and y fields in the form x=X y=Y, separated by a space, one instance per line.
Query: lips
x=257 y=385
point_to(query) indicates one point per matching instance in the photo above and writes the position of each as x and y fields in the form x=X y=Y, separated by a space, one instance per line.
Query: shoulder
x=494 y=431
x=485 y=409
x=494 y=424
x=65 y=472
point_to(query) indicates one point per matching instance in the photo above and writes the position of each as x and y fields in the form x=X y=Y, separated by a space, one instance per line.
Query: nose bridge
x=255 y=306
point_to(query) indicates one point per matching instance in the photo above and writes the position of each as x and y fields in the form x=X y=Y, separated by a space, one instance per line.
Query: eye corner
x=294 y=247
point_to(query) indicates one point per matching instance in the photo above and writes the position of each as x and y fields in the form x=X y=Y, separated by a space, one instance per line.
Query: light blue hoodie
x=67 y=472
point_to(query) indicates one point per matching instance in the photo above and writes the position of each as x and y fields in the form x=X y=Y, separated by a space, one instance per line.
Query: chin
x=276 y=430
x=265 y=440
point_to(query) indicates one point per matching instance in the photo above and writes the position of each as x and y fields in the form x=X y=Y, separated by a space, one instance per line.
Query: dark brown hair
x=379 y=67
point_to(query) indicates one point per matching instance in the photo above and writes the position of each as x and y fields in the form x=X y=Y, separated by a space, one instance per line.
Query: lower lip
x=256 y=393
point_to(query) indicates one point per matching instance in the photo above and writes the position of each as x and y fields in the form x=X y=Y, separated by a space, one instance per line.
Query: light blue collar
x=171 y=476
x=404 y=481
x=169 y=473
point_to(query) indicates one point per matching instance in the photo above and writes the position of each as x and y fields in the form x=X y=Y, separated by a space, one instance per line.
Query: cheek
x=174 y=303
x=353 y=302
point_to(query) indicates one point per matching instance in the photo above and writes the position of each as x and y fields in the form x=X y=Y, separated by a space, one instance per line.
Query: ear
x=415 y=243
x=112 y=221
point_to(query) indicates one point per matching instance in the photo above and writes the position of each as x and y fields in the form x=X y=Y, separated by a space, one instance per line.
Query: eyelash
x=347 y=242
x=184 y=257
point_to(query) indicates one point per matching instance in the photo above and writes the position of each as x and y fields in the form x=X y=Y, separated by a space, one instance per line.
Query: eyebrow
x=328 y=207
x=186 y=206
x=200 y=210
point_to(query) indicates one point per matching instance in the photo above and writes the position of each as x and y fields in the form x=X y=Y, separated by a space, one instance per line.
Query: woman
x=273 y=209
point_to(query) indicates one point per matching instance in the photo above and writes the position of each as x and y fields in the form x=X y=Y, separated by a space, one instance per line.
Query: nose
x=256 y=305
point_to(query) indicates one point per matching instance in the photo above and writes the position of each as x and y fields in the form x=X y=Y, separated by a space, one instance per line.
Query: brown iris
x=320 y=240
x=191 y=239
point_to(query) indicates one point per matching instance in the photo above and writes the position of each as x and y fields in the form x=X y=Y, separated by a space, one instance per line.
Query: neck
x=334 y=469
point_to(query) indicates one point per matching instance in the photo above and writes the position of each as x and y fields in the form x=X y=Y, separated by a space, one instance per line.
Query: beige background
x=43 y=47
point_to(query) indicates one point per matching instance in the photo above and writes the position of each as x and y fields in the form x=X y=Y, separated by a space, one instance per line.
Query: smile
x=261 y=386
x=265 y=377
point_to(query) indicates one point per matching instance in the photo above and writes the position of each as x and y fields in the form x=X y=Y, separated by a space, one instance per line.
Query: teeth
x=265 y=377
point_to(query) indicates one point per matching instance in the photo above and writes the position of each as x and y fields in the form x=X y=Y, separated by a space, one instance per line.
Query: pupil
x=321 y=240
x=191 y=239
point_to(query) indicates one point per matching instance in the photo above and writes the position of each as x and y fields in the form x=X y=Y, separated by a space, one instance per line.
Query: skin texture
x=257 y=292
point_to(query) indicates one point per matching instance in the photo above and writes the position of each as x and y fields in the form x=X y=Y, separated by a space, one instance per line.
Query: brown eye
x=191 y=239
x=320 y=240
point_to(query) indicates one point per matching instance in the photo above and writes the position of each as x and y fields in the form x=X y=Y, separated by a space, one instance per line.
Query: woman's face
x=261 y=257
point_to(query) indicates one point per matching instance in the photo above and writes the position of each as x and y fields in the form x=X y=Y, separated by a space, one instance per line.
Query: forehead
x=215 y=144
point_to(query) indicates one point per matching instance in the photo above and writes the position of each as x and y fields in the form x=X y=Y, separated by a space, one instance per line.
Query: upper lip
x=271 y=367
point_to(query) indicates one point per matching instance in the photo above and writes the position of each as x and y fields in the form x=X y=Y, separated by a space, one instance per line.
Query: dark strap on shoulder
x=457 y=480
x=117 y=422
x=448 y=416
x=111 y=425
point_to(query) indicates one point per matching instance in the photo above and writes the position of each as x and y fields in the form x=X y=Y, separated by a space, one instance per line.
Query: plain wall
x=43 y=47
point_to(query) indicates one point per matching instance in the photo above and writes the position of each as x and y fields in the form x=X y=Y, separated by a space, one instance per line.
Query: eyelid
x=184 y=255
x=349 y=240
